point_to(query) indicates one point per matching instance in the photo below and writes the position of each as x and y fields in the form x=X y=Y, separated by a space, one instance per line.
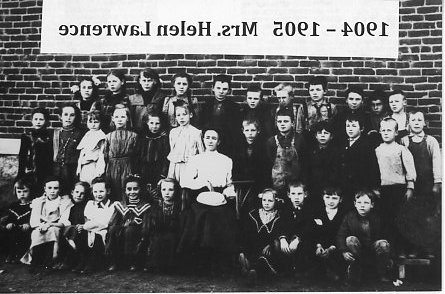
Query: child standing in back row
x=397 y=103
x=318 y=109
x=181 y=84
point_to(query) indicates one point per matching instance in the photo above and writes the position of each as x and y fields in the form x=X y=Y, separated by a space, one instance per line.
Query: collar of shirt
x=352 y=141
x=417 y=137
x=102 y=204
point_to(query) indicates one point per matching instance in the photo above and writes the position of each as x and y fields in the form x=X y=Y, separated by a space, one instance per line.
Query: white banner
x=341 y=28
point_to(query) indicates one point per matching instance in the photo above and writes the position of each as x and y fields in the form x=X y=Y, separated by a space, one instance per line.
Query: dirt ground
x=18 y=278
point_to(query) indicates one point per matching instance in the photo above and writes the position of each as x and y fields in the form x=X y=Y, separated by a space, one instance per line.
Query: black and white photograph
x=220 y=146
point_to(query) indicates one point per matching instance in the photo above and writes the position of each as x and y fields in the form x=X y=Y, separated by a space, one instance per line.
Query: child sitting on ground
x=93 y=232
x=362 y=239
x=129 y=227
x=79 y=197
x=262 y=230
x=326 y=222
x=16 y=222
x=49 y=215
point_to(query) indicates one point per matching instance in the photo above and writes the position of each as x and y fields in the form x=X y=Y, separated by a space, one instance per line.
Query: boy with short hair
x=222 y=113
x=398 y=175
x=397 y=104
x=298 y=218
x=355 y=105
x=250 y=164
x=285 y=152
x=326 y=221
x=378 y=110
x=256 y=109
x=323 y=162
x=358 y=167
x=285 y=96
x=427 y=158
x=362 y=239
x=318 y=108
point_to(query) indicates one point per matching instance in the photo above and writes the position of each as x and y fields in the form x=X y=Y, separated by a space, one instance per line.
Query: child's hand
x=437 y=188
x=25 y=227
x=376 y=193
x=294 y=244
x=319 y=251
x=96 y=80
x=75 y=89
x=348 y=256
x=209 y=186
x=79 y=228
x=10 y=226
x=44 y=227
x=409 y=194
x=284 y=246
x=266 y=250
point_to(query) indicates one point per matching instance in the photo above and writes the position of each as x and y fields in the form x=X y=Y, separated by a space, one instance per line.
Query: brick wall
x=28 y=78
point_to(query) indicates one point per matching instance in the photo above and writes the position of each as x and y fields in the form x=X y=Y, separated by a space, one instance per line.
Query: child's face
x=100 y=192
x=363 y=205
x=354 y=101
x=211 y=140
x=221 y=90
x=78 y=193
x=154 y=124
x=397 y=103
x=38 y=120
x=268 y=201
x=316 y=92
x=331 y=201
x=323 y=137
x=284 y=123
x=146 y=83
x=296 y=196
x=283 y=98
x=353 y=129
x=132 y=190
x=377 y=106
x=22 y=194
x=93 y=124
x=253 y=99
x=86 y=89
x=250 y=131
x=68 y=116
x=183 y=116
x=416 y=122
x=181 y=86
x=167 y=191
x=52 y=189
x=114 y=83
x=388 y=131
x=120 y=118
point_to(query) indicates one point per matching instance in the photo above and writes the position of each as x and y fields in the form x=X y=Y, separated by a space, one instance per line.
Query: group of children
x=318 y=188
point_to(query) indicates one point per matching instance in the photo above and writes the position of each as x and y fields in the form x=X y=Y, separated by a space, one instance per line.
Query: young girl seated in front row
x=49 y=215
x=97 y=214
x=165 y=239
x=261 y=232
x=16 y=222
x=130 y=227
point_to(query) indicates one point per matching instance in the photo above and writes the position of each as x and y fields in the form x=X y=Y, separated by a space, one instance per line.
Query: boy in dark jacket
x=362 y=238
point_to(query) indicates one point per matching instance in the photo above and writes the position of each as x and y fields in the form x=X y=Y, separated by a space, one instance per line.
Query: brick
x=242 y=78
x=433 y=17
x=412 y=17
x=426 y=101
x=353 y=64
x=423 y=64
x=418 y=33
x=226 y=63
x=432 y=40
x=282 y=78
x=267 y=63
x=341 y=71
x=424 y=25
x=206 y=63
x=247 y=63
x=186 y=63
x=364 y=71
x=412 y=3
x=277 y=70
x=428 y=9
x=263 y=78
x=256 y=70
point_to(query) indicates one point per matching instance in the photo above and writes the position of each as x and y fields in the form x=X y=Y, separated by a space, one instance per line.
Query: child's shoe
x=252 y=278
x=413 y=254
x=112 y=268
x=244 y=263
x=353 y=273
